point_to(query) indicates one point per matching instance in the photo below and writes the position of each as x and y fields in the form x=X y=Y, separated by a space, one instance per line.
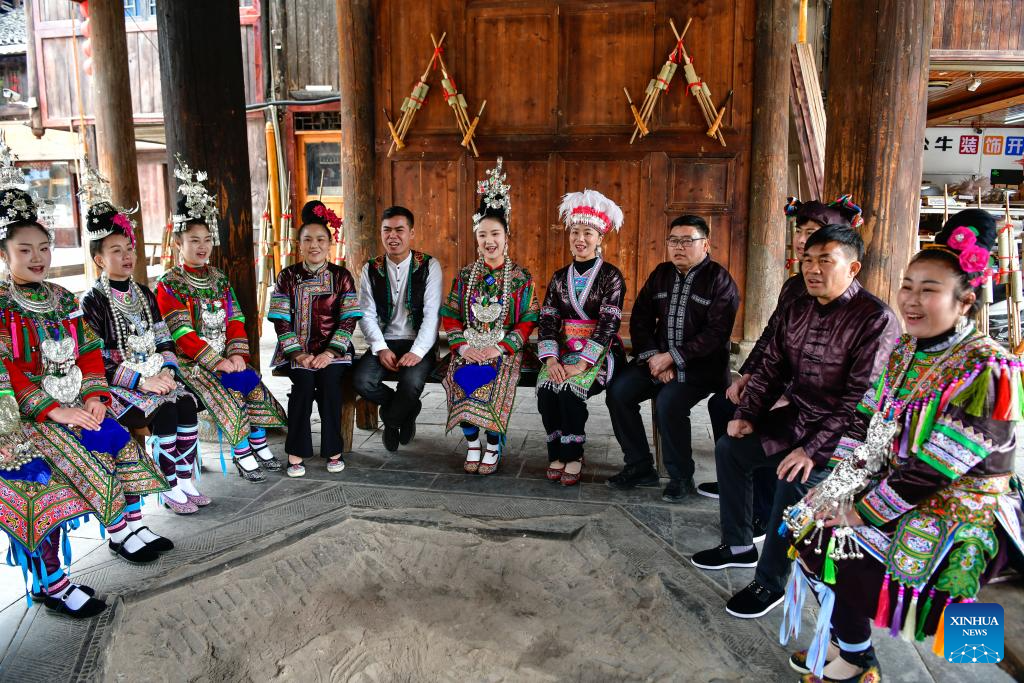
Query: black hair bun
x=99 y=221
x=309 y=213
x=983 y=224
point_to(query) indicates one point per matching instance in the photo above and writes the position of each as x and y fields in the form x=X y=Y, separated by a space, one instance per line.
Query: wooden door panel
x=430 y=190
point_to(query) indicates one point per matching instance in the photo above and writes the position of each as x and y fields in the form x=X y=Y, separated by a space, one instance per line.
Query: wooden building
x=552 y=72
x=66 y=97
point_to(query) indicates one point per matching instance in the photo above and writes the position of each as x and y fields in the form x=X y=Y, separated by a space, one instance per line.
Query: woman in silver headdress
x=488 y=317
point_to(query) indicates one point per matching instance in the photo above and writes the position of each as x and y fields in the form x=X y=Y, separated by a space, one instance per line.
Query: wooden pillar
x=355 y=76
x=877 y=106
x=204 y=113
x=766 y=236
x=35 y=117
x=115 y=124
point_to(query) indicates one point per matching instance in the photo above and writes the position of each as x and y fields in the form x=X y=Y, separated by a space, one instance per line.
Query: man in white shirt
x=400 y=296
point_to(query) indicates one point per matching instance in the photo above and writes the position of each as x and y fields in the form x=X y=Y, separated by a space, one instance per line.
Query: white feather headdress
x=590 y=208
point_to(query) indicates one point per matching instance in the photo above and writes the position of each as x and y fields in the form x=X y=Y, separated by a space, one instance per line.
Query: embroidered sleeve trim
x=953 y=448
x=125 y=377
x=882 y=504
x=591 y=352
x=547 y=348
x=208 y=358
x=237 y=347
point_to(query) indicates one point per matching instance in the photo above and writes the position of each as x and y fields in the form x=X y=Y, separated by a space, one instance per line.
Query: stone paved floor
x=433 y=463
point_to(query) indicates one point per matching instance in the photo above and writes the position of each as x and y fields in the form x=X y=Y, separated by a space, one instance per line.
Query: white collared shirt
x=401 y=326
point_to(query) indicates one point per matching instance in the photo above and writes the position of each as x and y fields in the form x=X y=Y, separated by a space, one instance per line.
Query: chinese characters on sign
x=992 y=145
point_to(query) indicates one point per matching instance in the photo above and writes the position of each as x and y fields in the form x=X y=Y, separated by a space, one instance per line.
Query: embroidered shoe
x=798 y=660
x=753 y=601
x=721 y=557
x=256 y=476
x=335 y=465
x=554 y=473
x=493 y=452
x=186 y=508
x=199 y=499
x=298 y=470
x=867 y=661
x=269 y=463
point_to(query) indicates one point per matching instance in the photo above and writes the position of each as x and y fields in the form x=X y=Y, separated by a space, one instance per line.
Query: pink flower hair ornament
x=122 y=221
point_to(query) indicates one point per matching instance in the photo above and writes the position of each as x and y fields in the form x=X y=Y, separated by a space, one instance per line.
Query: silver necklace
x=196 y=281
x=133 y=325
x=489 y=328
x=45 y=305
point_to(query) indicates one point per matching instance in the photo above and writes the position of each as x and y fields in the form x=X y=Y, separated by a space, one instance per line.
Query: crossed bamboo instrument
x=694 y=85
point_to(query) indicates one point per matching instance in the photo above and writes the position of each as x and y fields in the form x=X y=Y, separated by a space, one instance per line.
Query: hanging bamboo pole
x=468 y=137
x=412 y=103
x=456 y=100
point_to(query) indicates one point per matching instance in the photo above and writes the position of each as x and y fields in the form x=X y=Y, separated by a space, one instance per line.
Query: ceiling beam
x=1002 y=99
x=977 y=60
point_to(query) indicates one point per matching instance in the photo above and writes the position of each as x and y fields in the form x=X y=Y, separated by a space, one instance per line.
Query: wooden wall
x=552 y=72
x=307 y=31
x=978 y=25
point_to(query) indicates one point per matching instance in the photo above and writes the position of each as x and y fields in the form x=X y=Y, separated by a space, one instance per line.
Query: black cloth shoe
x=91 y=608
x=721 y=557
x=634 y=475
x=390 y=438
x=708 y=489
x=159 y=544
x=677 y=490
x=407 y=433
x=143 y=555
x=753 y=601
x=760 y=529
x=41 y=597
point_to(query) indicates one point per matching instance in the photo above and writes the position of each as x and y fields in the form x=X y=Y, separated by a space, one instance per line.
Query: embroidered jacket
x=313 y=312
x=597 y=307
x=824 y=358
x=415 y=289
x=182 y=307
x=22 y=332
x=691 y=317
x=792 y=289
x=522 y=311
x=97 y=314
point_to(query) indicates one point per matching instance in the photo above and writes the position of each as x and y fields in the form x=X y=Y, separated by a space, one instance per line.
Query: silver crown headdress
x=495 y=193
x=590 y=208
x=199 y=203
x=16 y=202
x=96 y=195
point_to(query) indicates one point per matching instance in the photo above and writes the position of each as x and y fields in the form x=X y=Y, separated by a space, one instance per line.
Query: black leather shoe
x=391 y=438
x=677 y=490
x=91 y=608
x=407 y=433
x=143 y=555
x=632 y=476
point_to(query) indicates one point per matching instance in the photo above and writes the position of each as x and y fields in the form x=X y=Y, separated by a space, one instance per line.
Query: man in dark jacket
x=825 y=352
x=680 y=327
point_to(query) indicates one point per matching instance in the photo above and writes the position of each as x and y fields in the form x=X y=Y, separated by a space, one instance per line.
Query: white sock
x=263 y=453
x=146 y=535
x=176 y=494
x=74 y=598
x=119 y=536
x=133 y=544
x=187 y=486
x=737 y=549
x=473 y=456
x=248 y=462
x=491 y=456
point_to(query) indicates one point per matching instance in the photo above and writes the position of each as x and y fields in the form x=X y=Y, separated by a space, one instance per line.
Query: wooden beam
x=203 y=88
x=115 y=127
x=358 y=167
x=809 y=115
x=976 y=106
x=876 y=112
x=769 y=157
x=977 y=60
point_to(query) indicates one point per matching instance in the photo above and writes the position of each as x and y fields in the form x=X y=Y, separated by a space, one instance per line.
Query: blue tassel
x=220 y=442
x=783 y=529
x=66 y=549
x=818 y=650
x=793 y=605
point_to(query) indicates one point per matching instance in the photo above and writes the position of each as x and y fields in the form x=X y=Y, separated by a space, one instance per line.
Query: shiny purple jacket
x=823 y=358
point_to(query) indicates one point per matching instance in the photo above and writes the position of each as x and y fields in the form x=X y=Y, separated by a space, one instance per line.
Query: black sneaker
x=760 y=529
x=407 y=433
x=677 y=490
x=753 y=601
x=634 y=475
x=721 y=557
x=391 y=438
x=708 y=489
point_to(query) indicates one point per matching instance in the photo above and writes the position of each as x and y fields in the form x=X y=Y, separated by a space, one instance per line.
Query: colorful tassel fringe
x=910 y=625
x=882 y=613
x=897 y=614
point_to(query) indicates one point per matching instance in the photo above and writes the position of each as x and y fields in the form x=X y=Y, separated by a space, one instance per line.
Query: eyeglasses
x=683 y=241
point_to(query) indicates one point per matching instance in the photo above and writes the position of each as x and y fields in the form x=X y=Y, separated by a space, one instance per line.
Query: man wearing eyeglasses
x=680 y=327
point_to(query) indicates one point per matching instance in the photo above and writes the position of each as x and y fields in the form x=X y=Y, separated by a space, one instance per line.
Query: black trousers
x=564 y=415
x=736 y=460
x=323 y=386
x=721 y=410
x=673 y=401
x=398 y=406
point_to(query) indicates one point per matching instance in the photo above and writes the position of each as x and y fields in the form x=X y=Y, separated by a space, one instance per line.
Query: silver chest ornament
x=214 y=326
x=62 y=380
x=486 y=314
x=143 y=357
